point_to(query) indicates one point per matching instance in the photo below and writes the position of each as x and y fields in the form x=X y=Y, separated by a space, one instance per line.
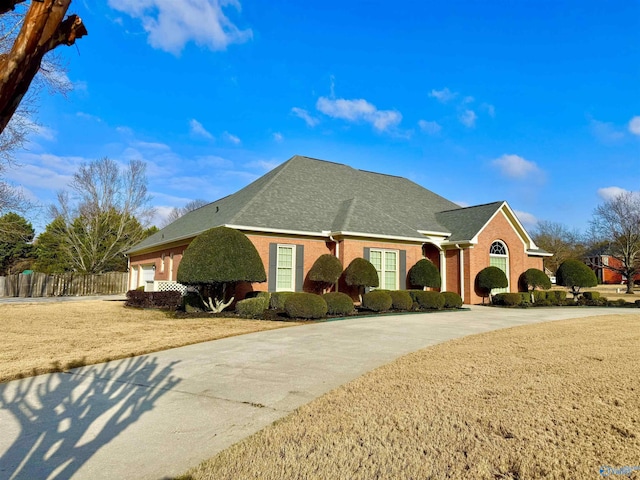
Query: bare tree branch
x=176 y=213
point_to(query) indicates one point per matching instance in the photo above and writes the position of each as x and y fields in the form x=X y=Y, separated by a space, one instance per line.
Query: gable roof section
x=465 y=223
x=316 y=197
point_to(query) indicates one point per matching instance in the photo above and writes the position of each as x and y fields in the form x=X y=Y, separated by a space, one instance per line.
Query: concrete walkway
x=155 y=416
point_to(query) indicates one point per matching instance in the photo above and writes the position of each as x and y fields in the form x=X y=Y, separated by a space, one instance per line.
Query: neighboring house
x=599 y=261
x=305 y=208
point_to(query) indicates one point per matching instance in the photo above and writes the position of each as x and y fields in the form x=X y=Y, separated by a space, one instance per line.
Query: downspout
x=337 y=255
x=129 y=272
x=461 y=270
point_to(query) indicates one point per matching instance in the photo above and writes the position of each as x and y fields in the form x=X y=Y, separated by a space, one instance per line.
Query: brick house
x=306 y=207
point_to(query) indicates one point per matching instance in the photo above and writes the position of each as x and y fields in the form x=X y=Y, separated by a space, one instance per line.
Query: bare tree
x=51 y=75
x=176 y=213
x=104 y=214
x=43 y=29
x=617 y=222
x=556 y=238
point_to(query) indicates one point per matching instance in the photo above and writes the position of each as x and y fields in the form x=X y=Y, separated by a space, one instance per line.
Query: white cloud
x=214 y=161
x=468 y=118
x=527 y=219
x=231 y=138
x=278 y=137
x=198 y=130
x=490 y=109
x=265 y=165
x=445 y=95
x=94 y=118
x=514 y=166
x=303 y=114
x=432 y=128
x=161 y=213
x=462 y=203
x=359 y=110
x=634 y=125
x=606 y=132
x=609 y=193
x=124 y=130
x=171 y=24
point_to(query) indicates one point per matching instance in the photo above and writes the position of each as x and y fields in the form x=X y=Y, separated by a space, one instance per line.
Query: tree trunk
x=43 y=30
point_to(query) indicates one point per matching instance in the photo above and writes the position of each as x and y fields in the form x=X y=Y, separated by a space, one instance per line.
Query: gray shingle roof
x=315 y=196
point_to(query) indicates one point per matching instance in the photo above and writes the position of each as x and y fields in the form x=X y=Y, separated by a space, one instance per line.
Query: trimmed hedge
x=305 y=305
x=377 y=301
x=557 y=296
x=574 y=274
x=361 y=273
x=400 y=300
x=164 y=300
x=338 y=303
x=326 y=269
x=252 y=307
x=591 y=295
x=534 y=278
x=278 y=300
x=428 y=300
x=507 y=299
x=452 y=300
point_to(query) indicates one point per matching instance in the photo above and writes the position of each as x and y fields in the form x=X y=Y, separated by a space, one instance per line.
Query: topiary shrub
x=507 y=299
x=361 y=274
x=424 y=274
x=489 y=278
x=377 y=301
x=574 y=274
x=534 y=278
x=401 y=300
x=525 y=298
x=215 y=261
x=452 y=300
x=539 y=296
x=278 y=299
x=429 y=300
x=325 y=271
x=251 y=307
x=305 y=305
x=338 y=303
x=557 y=297
x=591 y=295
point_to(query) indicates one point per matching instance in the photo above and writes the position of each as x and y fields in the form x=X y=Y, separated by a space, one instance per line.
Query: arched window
x=499 y=257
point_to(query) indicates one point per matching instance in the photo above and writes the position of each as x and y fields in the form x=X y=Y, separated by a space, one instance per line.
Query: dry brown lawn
x=555 y=400
x=39 y=338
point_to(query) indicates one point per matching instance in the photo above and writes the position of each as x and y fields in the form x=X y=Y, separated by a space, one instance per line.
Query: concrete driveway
x=155 y=416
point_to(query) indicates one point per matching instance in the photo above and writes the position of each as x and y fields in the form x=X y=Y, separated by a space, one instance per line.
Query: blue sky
x=536 y=103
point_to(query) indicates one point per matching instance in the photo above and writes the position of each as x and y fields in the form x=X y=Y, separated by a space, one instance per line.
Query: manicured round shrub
x=278 y=299
x=574 y=274
x=326 y=270
x=377 y=301
x=534 y=278
x=507 y=299
x=489 y=278
x=305 y=305
x=401 y=300
x=591 y=295
x=452 y=300
x=424 y=274
x=251 y=307
x=557 y=297
x=220 y=255
x=429 y=300
x=338 y=303
x=215 y=261
x=361 y=273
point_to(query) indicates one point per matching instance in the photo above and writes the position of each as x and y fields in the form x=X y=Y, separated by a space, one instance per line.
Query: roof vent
x=217 y=209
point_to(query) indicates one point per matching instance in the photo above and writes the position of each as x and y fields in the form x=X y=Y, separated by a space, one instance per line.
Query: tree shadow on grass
x=65 y=418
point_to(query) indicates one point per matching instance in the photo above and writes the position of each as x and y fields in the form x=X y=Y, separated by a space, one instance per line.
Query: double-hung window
x=386 y=263
x=286 y=268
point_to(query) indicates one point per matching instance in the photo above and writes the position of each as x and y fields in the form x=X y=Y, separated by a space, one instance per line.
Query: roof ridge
x=473 y=206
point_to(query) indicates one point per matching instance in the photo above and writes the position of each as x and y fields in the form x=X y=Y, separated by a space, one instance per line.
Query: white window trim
x=293 y=267
x=383 y=271
x=507 y=266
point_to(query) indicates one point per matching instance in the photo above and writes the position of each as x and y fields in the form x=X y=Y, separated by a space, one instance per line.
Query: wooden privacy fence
x=73 y=284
